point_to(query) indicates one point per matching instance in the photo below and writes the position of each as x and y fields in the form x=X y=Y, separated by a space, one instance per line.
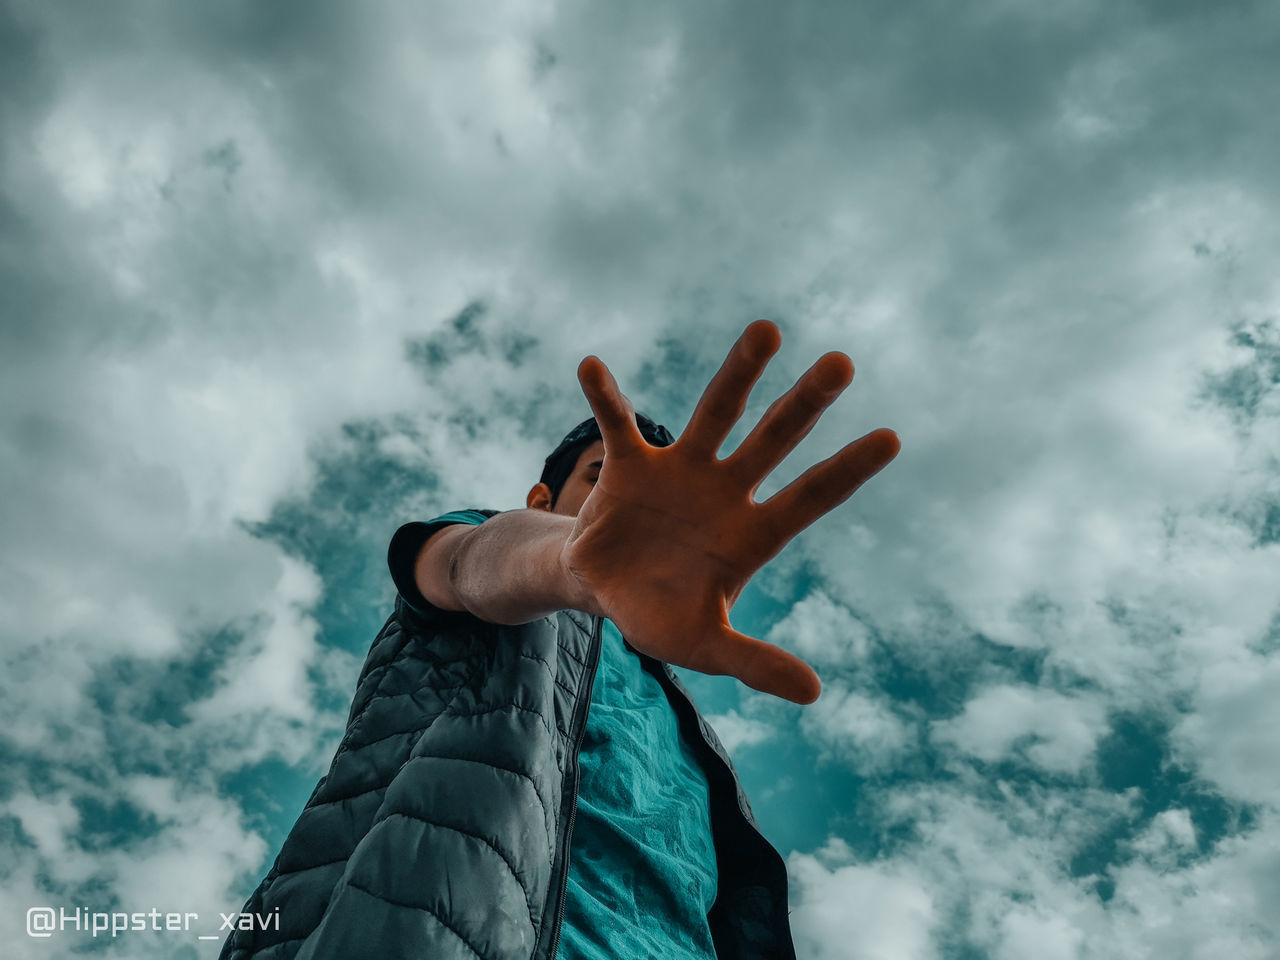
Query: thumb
x=765 y=667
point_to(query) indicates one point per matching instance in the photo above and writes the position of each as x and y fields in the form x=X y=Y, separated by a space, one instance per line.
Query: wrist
x=575 y=594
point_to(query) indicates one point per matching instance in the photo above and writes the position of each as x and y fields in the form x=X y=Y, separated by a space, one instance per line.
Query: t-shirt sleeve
x=406 y=544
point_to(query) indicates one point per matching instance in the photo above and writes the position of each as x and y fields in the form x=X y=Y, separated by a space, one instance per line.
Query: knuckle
x=811 y=399
x=775 y=432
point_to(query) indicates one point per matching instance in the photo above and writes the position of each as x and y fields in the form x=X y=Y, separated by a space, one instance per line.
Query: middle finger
x=790 y=418
x=725 y=398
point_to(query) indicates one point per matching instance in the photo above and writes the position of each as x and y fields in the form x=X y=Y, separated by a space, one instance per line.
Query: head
x=573 y=467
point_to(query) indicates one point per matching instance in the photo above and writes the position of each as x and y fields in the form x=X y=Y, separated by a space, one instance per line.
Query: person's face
x=576 y=489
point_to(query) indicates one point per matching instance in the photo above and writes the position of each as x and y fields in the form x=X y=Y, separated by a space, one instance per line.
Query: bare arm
x=508 y=569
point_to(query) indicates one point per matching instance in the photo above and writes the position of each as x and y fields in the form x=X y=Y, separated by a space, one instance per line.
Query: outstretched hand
x=669 y=536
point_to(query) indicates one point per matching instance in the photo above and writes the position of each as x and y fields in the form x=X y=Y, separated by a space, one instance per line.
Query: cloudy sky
x=276 y=277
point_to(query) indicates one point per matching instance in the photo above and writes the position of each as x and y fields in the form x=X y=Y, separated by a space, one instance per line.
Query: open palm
x=669 y=536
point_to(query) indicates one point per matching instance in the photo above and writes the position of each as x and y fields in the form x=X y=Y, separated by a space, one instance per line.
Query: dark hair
x=561 y=461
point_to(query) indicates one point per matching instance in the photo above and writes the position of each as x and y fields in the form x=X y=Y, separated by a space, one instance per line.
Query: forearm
x=508 y=570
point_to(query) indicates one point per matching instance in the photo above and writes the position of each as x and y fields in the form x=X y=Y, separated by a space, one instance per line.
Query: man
x=523 y=775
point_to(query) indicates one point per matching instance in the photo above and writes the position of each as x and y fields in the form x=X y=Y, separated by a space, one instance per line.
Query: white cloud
x=1065 y=729
x=1040 y=934
x=1231 y=733
x=822 y=631
x=1170 y=835
x=850 y=911
x=197 y=827
x=193 y=863
x=1004 y=868
x=1221 y=906
x=272 y=674
x=737 y=732
x=864 y=732
x=47 y=821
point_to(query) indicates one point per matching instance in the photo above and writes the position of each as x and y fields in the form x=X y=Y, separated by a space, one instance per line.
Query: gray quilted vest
x=442 y=828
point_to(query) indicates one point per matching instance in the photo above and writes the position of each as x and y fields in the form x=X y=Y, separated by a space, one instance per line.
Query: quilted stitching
x=569 y=691
x=414 y=906
x=487 y=842
x=485 y=763
x=495 y=707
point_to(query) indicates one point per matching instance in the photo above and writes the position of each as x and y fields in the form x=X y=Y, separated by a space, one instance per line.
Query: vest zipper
x=598 y=641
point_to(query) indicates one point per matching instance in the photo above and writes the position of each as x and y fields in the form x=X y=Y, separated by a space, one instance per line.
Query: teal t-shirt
x=642 y=866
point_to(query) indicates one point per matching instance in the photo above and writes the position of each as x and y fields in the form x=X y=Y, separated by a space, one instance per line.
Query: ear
x=539 y=498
